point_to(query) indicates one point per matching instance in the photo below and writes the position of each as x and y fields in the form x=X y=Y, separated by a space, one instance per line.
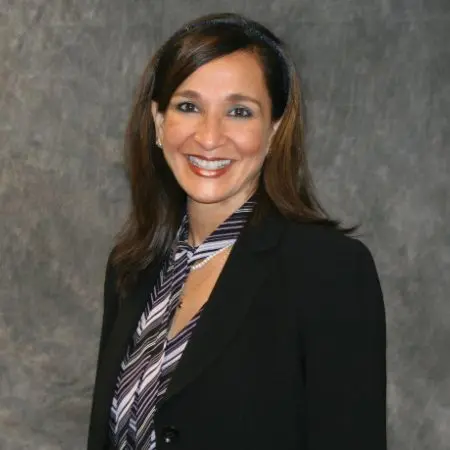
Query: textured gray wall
x=377 y=86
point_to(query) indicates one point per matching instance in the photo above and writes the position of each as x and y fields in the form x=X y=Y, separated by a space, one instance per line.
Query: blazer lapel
x=248 y=265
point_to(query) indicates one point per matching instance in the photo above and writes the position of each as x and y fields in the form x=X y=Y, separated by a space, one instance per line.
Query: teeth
x=209 y=165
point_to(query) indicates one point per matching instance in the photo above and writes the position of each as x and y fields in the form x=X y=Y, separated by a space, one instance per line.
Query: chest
x=196 y=291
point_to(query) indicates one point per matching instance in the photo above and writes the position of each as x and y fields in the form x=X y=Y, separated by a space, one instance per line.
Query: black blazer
x=289 y=353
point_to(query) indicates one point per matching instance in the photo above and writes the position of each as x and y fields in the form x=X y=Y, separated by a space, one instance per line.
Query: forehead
x=238 y=72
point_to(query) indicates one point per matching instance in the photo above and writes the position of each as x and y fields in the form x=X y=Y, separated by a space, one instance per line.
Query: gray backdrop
x=377 y=85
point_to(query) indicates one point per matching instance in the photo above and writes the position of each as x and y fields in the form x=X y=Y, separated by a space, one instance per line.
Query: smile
x=209 y=165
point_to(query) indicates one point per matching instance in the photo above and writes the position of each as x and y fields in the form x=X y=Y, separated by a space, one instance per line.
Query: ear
x=158 y=118
x=272 y=133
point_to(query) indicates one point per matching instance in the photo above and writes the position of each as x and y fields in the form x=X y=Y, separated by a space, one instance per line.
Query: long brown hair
x=157 y=199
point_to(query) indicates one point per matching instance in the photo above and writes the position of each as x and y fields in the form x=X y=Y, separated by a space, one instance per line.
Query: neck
x=205 y=218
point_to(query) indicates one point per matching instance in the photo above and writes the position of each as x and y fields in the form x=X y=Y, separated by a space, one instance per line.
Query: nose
x=209 y=132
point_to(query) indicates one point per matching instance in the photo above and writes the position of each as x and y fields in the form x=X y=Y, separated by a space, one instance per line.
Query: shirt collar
x=227 y=232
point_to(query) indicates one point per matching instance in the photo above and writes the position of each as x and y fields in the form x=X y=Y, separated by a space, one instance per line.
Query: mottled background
x=377 y=87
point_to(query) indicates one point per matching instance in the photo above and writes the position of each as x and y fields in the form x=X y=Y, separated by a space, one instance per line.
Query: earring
x=158 y=143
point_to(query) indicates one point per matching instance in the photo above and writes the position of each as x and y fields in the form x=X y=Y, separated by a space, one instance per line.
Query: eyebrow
x=188 y=93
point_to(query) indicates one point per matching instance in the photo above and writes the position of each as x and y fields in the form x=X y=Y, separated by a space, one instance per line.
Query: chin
x=207 y=199
x=225 y=191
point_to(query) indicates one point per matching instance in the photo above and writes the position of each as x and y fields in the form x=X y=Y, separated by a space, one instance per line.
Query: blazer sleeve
x=345 y=360
x=110 y=310
x=110 y=305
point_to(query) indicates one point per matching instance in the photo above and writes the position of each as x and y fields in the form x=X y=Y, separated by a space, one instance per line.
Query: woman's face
x=216 y=131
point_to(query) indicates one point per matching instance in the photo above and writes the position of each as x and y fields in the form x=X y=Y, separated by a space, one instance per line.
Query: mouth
x=208 y=168
x=208 y=164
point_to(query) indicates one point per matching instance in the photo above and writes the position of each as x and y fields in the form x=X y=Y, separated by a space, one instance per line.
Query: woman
x=237 y=315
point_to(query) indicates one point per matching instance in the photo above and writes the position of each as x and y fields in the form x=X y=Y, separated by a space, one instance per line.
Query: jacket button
x=170 y=435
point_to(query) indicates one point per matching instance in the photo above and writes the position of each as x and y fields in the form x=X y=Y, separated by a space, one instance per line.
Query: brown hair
x=157 y=199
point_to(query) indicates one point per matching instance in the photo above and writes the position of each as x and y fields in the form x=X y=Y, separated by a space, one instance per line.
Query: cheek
x=176 y=131
x=250 y=138
x=251 y=143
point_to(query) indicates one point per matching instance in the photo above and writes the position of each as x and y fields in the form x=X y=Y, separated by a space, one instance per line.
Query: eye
x=186 y=107
x=241 y=112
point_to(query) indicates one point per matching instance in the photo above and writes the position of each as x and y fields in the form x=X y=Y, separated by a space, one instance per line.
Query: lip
x=207 y=158
x=207 y=173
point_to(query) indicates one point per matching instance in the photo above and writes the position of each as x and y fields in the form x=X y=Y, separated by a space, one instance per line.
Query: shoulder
x=334 y=287
x=110 y=271
x=325 y=254
x=110 y=291
x=334 y=270
x=320 y=242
